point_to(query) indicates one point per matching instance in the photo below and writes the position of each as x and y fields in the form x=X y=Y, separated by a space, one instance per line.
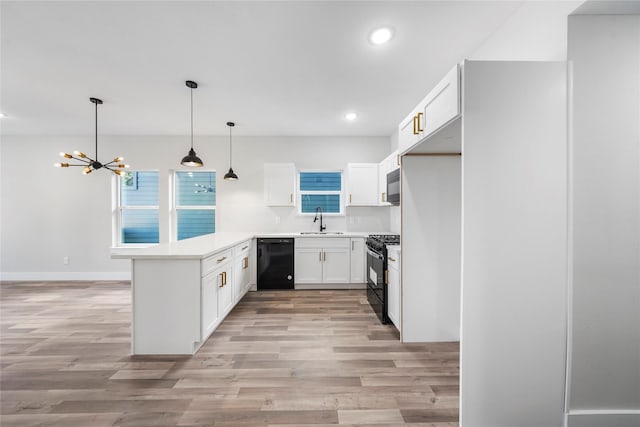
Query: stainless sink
x=321 y=232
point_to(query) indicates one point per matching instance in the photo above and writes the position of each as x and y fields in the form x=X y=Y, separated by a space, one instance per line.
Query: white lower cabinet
x=393 y=285
x=241 y=270
x=358 y=260
x=216 y=298
x=322 y=260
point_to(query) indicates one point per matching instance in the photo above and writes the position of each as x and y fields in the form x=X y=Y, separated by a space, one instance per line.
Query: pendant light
x=87 y=162
x=230 y=176
x=192 y=159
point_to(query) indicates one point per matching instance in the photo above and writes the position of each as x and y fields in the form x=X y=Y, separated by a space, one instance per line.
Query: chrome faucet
x=322 y=227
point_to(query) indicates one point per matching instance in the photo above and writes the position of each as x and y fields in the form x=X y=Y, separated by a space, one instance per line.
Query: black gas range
x=377 y=272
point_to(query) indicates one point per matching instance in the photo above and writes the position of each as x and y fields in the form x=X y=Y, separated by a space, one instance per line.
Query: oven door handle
x=374 y=254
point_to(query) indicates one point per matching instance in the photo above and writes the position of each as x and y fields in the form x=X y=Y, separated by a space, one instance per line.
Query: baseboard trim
x=602 y=417
x=61 y=276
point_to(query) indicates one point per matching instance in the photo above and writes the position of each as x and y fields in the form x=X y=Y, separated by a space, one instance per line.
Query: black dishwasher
x=275 y=264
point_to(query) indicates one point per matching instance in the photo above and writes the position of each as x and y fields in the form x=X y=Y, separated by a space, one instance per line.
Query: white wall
x=431 y=212
x=537 y=31
x=514 y=244
x=605 y=156
x=49 y=213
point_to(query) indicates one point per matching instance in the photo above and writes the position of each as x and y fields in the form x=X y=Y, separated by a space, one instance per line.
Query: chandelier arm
x=83 y=160
x=83 y=166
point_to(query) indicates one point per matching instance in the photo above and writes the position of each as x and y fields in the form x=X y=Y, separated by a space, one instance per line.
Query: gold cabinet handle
x=221 y=285
x=398 y=159
x=324 y=256
x=350 y=198
x=386 y=277
x=392 y=259
x=320 y=254
x=353 y=245
x=291 y=197
x=245 y=262
x=383 y=197
x=415 y=129
x=219 y=260
x=224 y=278
x=420 y=129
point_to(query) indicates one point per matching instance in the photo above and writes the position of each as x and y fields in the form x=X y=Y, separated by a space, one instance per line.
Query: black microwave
x=393 y=187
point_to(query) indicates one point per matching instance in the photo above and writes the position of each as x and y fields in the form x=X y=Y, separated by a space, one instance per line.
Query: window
x=137 y=207
x=320 y=189
x=195 y=203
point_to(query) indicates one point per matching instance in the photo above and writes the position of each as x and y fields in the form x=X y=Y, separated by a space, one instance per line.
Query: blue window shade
x=139 y=189
x=195 y=188
x=329 y=203
x=195 y=222
x=140 y=226
x=320 y=181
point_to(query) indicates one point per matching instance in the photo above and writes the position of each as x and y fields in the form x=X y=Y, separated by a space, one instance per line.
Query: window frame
x=301 y=193
x=118 y=209
x=173 y=197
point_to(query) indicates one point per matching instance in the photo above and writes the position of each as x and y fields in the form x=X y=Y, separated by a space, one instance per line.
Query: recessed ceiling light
x=381 y=35
x=351 y=116
x=2 y=115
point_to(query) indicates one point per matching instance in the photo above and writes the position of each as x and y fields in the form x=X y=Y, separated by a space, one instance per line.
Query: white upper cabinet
x=438 y=108
x=362 y=184
x=279 y=184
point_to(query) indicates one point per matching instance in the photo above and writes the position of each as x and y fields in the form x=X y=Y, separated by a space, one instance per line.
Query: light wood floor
x=287 y=358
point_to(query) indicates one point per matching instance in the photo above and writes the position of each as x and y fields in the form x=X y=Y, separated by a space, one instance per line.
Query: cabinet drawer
x=242 y=249
x=323 y=242
x=215 y=261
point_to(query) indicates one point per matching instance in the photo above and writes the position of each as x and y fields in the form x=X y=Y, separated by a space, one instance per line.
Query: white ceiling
x=275 y=68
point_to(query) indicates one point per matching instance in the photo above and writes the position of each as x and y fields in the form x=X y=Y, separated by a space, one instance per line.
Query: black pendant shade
x=231 y=175
x=192 y=159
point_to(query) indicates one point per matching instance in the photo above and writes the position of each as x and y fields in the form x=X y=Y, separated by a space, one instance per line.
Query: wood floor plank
x=305 y=358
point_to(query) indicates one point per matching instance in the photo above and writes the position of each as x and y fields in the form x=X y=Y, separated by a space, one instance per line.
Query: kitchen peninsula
x=182 y=291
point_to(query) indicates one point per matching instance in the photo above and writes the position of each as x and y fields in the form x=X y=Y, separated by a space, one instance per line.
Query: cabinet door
x=241 y=277
x=362 y=184
x=441 y=105
x=308 y=265
x=209 y=303
x=393 y=296
x=280 y=184
x=408 y=134
x=336 y=265
x=225 y=290
x=358 y=260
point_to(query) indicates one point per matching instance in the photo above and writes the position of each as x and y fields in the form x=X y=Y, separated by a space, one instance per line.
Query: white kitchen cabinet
x=437 y=109
x=217 y=291
x=241 y=270
x=322 y=261
x=358 y=260
x=393 y=285
x=362 y=184
x=389 y=164
x=280 y=184
x=308 y=264
x=209 y=304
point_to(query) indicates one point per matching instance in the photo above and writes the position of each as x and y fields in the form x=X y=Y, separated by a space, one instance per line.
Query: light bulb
x=79 y=154
x=86 y=170
x=118 y=159
x=381 y=35
x=66 y=155
x=61 y=165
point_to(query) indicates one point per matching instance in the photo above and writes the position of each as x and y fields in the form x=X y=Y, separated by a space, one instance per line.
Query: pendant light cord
x=96 y=131
x=192 y=118
x=230 y=155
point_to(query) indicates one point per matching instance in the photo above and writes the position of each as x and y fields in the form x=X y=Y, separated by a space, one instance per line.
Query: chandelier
x=87 y=162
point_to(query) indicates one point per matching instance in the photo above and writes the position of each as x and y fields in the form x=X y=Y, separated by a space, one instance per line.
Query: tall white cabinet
x=484 y=227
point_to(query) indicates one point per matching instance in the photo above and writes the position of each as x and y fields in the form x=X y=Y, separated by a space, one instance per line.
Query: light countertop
x=205 y=246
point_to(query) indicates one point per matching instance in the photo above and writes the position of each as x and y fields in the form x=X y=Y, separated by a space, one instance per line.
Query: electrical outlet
x=65 y=260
